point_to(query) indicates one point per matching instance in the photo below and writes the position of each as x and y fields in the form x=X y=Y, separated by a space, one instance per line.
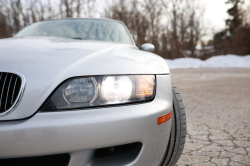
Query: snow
x=221 y=61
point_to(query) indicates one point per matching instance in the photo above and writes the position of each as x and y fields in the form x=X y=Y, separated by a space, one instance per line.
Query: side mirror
x=147 y=47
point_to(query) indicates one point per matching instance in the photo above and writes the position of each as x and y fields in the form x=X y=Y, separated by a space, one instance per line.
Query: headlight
x=101 y=90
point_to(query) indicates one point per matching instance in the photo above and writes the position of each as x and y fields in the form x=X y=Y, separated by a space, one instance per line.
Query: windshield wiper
x=77 y=38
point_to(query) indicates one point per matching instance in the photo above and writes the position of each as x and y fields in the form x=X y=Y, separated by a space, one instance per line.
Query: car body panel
x=80 y=132
x=46 y=62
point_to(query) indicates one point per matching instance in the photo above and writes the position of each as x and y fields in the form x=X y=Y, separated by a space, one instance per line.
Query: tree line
x=175 y=27
x=235 y=38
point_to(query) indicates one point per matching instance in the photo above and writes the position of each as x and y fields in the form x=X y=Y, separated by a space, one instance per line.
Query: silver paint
x=47 y=61
x=147 y=47
x=81 y=132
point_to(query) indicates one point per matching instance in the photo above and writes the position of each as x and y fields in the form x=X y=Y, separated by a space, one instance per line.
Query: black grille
x=52 y=160
x=10 y=85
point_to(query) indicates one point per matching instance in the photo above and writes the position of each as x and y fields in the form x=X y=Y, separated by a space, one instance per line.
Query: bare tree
x=173 y=26
x=129 y=13
x=186 y=27
x=153 y=12
x=16 y=14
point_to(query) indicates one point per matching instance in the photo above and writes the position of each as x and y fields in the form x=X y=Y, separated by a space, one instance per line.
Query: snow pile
x=221 y=61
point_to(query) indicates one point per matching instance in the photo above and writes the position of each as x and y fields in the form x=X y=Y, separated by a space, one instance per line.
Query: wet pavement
x=217 y=103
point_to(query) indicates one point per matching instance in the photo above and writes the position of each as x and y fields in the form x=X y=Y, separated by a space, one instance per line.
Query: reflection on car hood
x=46 y=62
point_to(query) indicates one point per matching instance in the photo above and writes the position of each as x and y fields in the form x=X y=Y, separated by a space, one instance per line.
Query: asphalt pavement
x=217 y=103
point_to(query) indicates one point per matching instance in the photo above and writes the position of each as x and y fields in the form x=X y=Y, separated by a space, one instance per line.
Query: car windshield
x=85 y=29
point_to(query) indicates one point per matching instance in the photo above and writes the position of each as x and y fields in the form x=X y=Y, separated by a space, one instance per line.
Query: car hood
x=46 y=62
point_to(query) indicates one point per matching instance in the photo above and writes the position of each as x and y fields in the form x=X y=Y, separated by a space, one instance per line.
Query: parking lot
x=217 y=103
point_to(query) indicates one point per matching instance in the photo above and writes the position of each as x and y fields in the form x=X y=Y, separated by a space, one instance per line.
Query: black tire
x=178 y=131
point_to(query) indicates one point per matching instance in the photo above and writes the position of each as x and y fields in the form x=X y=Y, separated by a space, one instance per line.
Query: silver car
x=78 y=92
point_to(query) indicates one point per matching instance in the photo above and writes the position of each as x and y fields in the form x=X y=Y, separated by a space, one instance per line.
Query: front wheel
x=178 y=131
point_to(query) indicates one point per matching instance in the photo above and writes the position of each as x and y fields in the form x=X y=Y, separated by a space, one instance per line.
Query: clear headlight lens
x=101 y=90
x=81 y=90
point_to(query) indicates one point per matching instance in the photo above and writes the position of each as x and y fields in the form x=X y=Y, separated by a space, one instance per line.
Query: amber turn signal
x=144 y=85
x=164 y=118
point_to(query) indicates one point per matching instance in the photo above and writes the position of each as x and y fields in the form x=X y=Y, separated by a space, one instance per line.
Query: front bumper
x=81 y=132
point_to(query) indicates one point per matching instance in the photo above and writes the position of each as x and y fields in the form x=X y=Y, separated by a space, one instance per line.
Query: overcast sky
x=215 y=13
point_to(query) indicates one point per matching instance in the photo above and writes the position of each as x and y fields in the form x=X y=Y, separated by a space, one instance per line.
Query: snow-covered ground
x=221 y=61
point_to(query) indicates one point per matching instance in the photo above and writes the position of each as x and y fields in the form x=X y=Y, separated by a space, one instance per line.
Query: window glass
x=85 y=29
